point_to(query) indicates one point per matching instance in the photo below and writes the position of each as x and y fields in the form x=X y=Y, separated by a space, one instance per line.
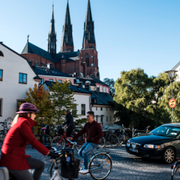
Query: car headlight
x=128 y=143
x=152 y=146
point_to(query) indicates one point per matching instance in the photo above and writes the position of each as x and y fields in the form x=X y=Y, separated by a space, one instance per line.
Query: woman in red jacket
x=13 y=150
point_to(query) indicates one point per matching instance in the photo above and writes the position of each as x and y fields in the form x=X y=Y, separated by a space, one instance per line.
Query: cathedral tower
x=67 y=38
x=52 y=36
x=89 y=37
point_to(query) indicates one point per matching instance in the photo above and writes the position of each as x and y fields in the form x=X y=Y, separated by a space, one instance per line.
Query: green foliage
x=110 y=83
x=62 y=99
x=40 y=99
x=79 y=122
x=141 y=101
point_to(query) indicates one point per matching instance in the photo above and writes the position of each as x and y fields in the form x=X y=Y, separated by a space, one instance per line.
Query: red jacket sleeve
x=26 y=132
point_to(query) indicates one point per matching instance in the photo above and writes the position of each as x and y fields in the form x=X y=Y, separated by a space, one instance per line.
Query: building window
x=102 y=119
x=74 y=110
x=100 y=88
x=96 y=118
x=101 y=108
x=1 y=74
x=19 y=102
x=87 y=60
x=1 y=54
x=60 y=81
x=107 y=118
x=96 y=108
x=106 y=109
x=1 y=106
x=22 y=78
x=51 y=80
x=83 y=109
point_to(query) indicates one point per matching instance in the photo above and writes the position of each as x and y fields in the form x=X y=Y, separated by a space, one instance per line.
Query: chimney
x=80 y=84
x=49 y=66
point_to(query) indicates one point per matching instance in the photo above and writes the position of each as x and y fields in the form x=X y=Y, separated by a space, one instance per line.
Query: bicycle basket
x=69 y=165
x=60 y=130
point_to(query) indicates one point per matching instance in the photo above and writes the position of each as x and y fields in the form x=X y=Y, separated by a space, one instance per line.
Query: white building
x=16 y=77
x=88 y=100
x=177 y=68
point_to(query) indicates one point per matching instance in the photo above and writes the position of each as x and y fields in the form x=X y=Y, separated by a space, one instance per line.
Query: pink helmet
x=27 y=108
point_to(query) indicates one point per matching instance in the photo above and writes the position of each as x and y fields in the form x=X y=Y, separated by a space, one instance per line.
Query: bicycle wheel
x=114 y=140
x=176 y=172
x=102 y=142
x=100 y=166
x=57 y=144
x=47 y=139
x=52 y=168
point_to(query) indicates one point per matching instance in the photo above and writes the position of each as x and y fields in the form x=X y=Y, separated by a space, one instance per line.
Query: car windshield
x=166 y=131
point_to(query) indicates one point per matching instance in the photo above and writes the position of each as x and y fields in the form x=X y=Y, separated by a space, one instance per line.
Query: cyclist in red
x=13 y=150
x=94 y=133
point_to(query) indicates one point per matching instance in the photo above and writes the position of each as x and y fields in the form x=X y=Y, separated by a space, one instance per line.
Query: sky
x=129 y=34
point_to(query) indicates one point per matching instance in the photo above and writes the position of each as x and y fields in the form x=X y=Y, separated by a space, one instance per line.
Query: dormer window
x=1 y=54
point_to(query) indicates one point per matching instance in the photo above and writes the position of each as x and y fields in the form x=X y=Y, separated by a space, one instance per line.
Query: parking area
x=125 y=166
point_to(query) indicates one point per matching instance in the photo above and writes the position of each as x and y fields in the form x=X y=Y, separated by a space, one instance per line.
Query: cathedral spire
x=52 y=36
x=89 y=37
x=67 y=38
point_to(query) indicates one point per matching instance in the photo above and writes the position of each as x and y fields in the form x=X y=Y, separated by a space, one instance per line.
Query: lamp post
x=171 y=75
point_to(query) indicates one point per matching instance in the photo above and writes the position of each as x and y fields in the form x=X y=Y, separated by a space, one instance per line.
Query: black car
x=162 y=142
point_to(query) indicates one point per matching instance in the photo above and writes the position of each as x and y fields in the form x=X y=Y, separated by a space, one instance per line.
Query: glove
x=53 y=155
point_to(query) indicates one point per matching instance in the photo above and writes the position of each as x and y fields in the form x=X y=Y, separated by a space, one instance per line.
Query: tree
x=62 y=99
x=40 y=98
x=110 y=83
x=142 y=100
x=163 y=104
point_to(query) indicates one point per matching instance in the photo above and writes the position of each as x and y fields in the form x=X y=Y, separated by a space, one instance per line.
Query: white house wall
x=81 y=98
x=10 y=89
x=105 y=111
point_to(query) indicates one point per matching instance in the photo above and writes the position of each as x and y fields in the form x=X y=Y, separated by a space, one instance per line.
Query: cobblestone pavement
x=125 y=166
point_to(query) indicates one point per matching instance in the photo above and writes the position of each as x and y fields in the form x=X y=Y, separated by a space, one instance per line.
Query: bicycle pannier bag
x=69 y=165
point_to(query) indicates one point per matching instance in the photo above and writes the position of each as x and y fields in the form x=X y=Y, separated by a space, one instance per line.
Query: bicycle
x=175 y=170
x=3 y=131
x=123 y=136
x=140 y=132
x=44 y=135
x=60 y=141
x=99 y=166
x=111 y=140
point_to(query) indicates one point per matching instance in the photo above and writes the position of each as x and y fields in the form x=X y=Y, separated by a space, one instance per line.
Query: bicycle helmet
x=27 y=108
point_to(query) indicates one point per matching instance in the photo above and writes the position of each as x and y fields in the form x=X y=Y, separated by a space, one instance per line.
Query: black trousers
x=35 y=164
x=68 y=132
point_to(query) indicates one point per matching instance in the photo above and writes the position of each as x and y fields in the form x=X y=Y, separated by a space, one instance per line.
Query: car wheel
x=169 y=155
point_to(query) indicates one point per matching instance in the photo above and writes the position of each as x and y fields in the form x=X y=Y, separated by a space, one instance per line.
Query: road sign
x=172 y=103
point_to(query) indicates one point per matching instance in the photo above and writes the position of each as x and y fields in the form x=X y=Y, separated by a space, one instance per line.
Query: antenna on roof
x=27 y=38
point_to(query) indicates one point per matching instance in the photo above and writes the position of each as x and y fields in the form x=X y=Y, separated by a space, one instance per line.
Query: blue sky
x=129 y=34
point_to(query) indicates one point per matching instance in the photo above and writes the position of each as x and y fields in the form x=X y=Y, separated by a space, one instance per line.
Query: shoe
x=84 y=171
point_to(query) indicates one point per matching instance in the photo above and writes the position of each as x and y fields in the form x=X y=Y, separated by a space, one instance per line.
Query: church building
x=79 y=63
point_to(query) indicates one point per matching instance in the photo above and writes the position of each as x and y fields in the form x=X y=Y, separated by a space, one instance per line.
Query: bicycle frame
x=56 y=175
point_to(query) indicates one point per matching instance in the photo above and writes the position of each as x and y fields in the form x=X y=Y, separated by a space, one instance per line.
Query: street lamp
x=171 y=74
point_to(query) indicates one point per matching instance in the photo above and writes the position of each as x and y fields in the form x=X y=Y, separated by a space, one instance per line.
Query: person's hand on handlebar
x=70 y=138
x=53 y=154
